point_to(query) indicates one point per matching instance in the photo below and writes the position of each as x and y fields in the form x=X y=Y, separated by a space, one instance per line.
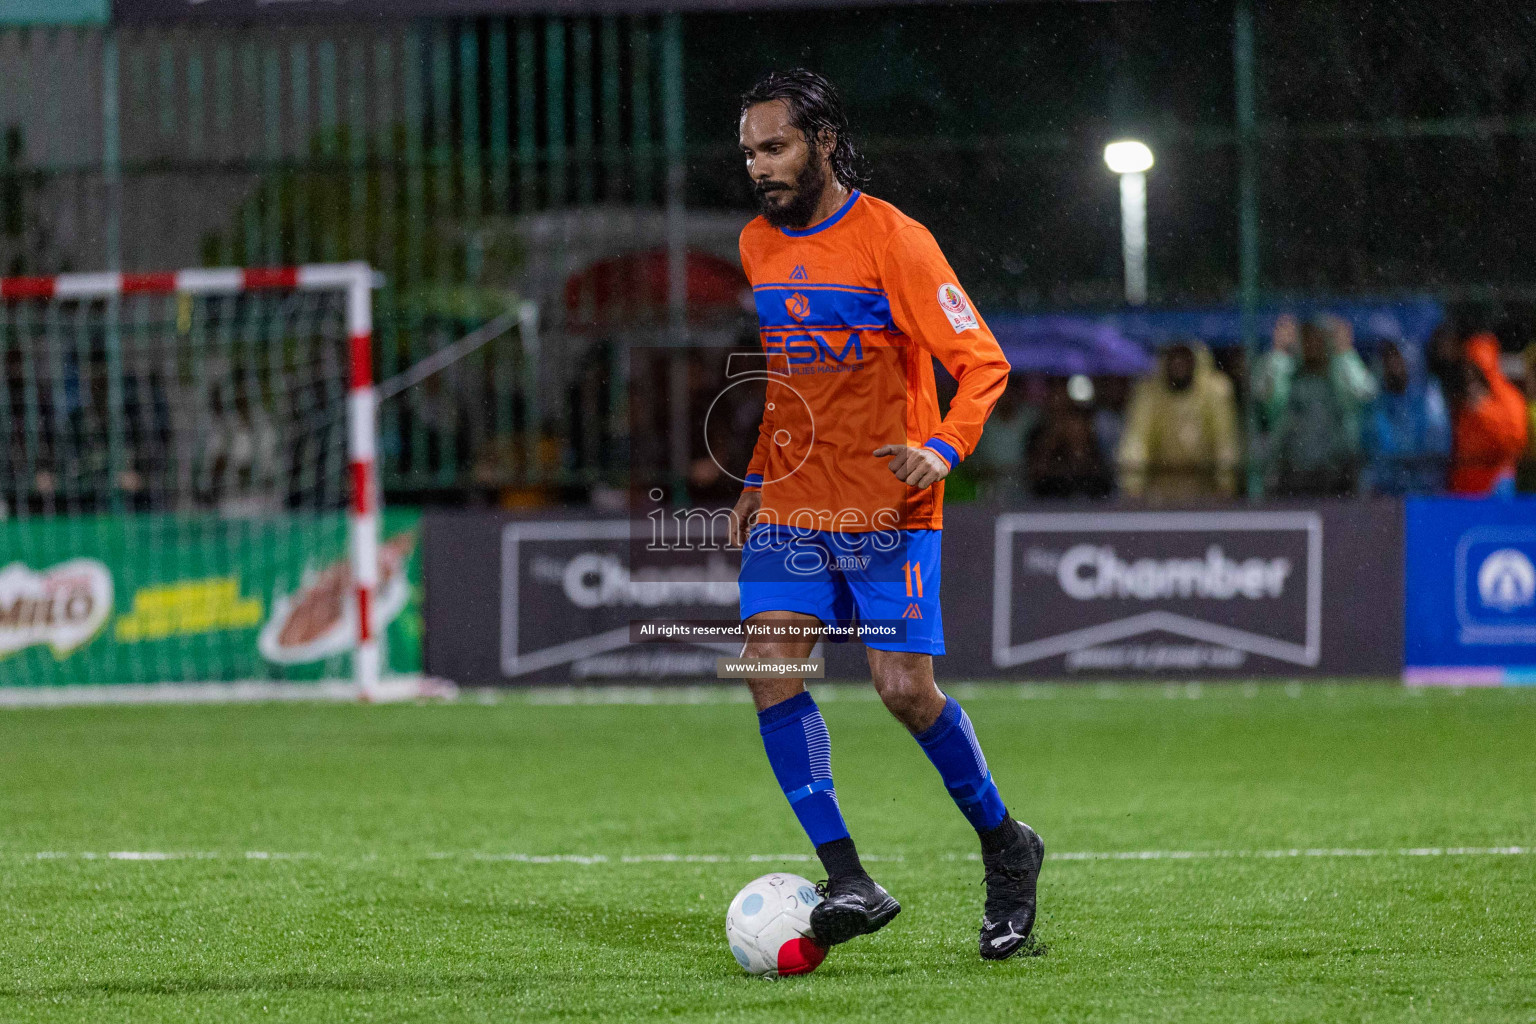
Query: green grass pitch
x=507 y=861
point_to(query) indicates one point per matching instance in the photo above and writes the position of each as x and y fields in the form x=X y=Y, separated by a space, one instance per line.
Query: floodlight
x=1128 y=157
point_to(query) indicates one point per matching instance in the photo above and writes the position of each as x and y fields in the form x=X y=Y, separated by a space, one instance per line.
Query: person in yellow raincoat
x=1181 y=441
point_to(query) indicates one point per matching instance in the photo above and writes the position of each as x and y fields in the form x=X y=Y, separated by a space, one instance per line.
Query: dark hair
x=815 y=108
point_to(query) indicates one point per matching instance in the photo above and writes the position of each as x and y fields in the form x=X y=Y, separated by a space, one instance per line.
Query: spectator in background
x=998 y=460
x=1313 y=406
x=1489 y=422
x=1407 y=430
x=1110 y=397
x=1528 y=464
x=1180 y=441
x=1062 y=455
x=1232 y=360
x=242 y=452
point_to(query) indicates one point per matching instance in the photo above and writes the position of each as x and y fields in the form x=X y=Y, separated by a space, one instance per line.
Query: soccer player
x=841 y=513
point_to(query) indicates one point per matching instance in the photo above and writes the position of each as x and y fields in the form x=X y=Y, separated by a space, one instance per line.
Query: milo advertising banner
x=164 y=599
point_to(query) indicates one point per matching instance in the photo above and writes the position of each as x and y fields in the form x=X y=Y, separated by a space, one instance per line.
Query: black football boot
x=1010 y=908
x=851 y=905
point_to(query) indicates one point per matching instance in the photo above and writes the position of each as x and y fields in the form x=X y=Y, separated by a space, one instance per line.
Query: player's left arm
x=930 y=307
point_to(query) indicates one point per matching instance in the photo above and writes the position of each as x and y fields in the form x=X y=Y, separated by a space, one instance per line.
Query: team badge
x=799 y=306
x=957 y=308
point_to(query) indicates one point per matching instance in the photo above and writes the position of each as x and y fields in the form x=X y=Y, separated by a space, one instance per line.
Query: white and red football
x=769 y=926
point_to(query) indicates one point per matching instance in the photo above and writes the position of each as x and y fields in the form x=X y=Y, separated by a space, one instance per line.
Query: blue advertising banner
x=1471 y=592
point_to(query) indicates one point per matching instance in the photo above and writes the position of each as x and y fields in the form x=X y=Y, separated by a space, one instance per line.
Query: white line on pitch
x=1417 y=851
x=774 y=858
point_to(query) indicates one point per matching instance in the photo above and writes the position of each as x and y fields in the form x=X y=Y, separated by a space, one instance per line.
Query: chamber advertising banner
x=1471 y=592
x=164 y=599
x=1290 y=592
x=1026 y=595
x=556 y=600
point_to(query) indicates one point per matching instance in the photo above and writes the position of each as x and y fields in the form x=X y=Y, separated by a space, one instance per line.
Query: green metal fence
x=1372 y=146
x=421 y=147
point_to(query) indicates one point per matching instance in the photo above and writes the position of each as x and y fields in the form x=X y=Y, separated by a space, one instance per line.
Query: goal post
x=187 y=424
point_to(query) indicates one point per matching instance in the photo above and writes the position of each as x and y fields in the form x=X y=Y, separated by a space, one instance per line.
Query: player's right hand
x=743 y=515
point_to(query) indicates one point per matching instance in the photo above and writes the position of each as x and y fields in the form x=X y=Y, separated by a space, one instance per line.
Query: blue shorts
x=889 y=577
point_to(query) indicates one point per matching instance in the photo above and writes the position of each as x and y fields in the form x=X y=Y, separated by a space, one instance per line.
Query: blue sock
x=800 y=751
x=950 y=744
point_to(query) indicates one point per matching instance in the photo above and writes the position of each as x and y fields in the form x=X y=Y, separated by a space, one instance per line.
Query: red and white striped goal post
x=356 y=280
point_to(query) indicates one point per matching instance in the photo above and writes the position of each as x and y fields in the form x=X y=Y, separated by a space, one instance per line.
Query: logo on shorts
x=957 y=308
x=799 y=306
x=912 y=612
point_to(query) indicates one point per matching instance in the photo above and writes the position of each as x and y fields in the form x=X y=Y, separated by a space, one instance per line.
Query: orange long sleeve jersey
x=852 y=311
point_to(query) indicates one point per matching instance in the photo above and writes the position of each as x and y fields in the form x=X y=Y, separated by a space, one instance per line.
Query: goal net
x=187 y=480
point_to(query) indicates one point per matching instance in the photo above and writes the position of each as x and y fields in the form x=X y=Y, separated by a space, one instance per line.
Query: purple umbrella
x=1062 y=345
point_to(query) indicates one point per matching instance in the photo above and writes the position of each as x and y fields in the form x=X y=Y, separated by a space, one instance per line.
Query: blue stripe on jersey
x=827 y=307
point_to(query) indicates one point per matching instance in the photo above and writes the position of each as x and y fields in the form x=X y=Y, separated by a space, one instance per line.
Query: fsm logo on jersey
x=1158 y=591
x=800 y=349
x=1496 y=585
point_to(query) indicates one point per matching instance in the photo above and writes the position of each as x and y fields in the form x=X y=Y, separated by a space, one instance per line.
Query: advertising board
x=1291 y=592
x=143 y=599
x=1081 y=595
x=1119 y=592
x=1471 y=592
x=519 y=601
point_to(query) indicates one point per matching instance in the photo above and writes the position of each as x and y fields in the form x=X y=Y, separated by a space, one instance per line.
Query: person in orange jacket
x=1489 y=429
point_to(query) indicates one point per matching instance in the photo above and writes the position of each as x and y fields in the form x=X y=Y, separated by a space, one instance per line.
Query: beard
x=791 y=206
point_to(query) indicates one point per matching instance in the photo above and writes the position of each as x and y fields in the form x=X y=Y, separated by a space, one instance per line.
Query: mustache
x=764 y=187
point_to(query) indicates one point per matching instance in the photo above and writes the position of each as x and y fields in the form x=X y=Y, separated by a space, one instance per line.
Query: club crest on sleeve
x=957 y=308
x=799 y=306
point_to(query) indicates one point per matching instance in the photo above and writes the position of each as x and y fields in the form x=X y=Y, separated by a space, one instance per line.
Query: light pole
x=1131 y=160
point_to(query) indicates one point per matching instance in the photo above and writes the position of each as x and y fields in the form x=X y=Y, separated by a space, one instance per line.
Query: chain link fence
x=588 y=164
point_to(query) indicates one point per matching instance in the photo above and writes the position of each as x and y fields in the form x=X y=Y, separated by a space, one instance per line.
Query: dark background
x=1384 y=163
x=129 y=11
